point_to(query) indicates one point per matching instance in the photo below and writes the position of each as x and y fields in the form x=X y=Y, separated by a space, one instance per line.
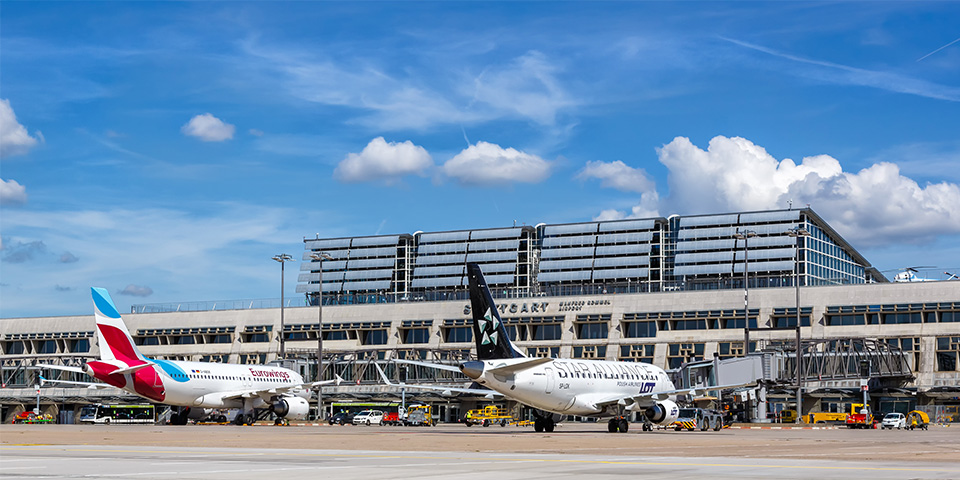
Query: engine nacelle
x=664 y=412
x=292 y=408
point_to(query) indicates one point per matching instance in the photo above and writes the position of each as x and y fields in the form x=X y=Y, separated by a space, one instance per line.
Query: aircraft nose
x=472 y=369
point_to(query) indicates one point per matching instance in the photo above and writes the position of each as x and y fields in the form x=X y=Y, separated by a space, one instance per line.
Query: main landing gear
x=618 y=424
x=543 y=424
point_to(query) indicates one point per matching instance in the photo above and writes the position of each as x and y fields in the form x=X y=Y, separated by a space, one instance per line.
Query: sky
x=166 y=151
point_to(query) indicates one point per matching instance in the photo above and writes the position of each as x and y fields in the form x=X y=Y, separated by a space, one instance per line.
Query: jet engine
x=663 y=412
x=293 y=408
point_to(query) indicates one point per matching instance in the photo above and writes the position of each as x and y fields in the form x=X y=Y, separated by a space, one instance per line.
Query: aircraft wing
x=65 y=368
x=271 y=392
x=97 y=386
x=475 y=391
x=648 y=399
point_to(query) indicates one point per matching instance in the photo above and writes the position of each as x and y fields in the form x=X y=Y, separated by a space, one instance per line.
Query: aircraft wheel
x=548 y=425
x=623 y=425
x=612 y=425
x=538 y=425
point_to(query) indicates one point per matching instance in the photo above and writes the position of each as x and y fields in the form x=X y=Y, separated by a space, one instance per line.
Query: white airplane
x=195 y=387
x=558 y=387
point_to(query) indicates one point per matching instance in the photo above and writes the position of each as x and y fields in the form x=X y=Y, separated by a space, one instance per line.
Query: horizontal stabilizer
x=521 y=365
x=124 y=371
x=438 y=366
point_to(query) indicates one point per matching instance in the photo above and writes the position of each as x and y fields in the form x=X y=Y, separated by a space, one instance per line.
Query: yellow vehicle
x=487 y=416
x=831 y=417
x=419 y=416
x=788 y=416
x=918 y=419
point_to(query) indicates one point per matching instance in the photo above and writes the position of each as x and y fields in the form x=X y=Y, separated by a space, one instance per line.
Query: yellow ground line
x=544 y=460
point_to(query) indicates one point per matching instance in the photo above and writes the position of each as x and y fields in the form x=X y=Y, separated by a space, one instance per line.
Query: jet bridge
x=831 y=367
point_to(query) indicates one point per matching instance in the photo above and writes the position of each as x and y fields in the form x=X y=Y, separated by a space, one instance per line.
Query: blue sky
x=165 y=151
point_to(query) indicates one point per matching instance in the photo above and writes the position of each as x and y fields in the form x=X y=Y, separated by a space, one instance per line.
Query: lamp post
x=745 y=236
x=319 y=257
x=282 y=258
x=798 y=233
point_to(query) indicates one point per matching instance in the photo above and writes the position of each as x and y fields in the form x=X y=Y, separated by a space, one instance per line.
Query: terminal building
x=678 y=292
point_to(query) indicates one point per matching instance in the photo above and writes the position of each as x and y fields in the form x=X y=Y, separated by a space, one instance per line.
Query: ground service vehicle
x=30 y=417
x=697 y=419
x=368 y=417
x=859 y=417
x=419 y=416
x=122 y=414
x=918 y=419
x=893 y=420
x=390 y=418
x=486 y=416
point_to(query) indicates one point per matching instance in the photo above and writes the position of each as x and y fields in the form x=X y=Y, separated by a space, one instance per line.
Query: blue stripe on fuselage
x=172 y=370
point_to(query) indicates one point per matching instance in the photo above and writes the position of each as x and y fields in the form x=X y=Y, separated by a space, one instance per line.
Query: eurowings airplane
x=557 y=387
x=256 y=390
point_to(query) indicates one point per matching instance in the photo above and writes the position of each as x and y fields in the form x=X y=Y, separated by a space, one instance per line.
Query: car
x=368 y=417
x=894 y=420
x=341 y=418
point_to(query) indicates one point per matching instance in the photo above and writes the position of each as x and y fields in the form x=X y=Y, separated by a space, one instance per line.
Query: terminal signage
x=543 y=307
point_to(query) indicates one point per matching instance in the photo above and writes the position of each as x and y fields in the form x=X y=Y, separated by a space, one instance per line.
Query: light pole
x=745 y=236
x=798 y=233
x=282 y=258
x=319 y=257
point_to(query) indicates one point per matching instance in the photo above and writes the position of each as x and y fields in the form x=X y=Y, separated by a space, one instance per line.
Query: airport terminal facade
x=669 y=291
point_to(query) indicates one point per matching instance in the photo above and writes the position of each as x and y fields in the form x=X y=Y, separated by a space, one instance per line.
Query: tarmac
x=456 y=451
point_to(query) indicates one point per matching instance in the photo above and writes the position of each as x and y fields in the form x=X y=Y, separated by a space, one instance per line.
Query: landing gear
x=543 y=424
x=181 y=417
x=647 y=427
x=618 y=424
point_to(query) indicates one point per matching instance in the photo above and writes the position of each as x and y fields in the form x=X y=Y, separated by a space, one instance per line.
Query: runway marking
x=484 y=460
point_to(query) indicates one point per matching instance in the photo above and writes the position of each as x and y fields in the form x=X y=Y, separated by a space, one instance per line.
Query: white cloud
x=12 y=193
x=136 y=291
x=873 y=206
x=528 y=88
x=648 y=207
x=382 y=160
x=487 y=163
x=208 y=128
x=618 y=175
x=14 y=138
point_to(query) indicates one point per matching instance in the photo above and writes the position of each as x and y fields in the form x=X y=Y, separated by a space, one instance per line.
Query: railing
x=448 y=295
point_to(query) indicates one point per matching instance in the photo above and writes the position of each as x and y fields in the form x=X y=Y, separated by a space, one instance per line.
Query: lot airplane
x=195 y=387
x=557 y=387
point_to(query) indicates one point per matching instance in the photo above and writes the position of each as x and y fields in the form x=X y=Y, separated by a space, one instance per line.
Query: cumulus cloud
x=382 y=160
x=14 y=139
x=12 y=193
x=875 y=205
x=619 y=176
x=136 y=291
x=488 y=163
x=208 y=128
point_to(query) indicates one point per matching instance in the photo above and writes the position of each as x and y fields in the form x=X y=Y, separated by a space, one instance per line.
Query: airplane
x=559 y=387
x=194 y=387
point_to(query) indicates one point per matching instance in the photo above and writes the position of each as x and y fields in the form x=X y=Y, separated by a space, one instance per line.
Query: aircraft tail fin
x=112 y=334
x=489 y=332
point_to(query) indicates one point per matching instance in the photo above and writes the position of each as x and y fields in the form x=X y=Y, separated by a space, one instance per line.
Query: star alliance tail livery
x=196 y=387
